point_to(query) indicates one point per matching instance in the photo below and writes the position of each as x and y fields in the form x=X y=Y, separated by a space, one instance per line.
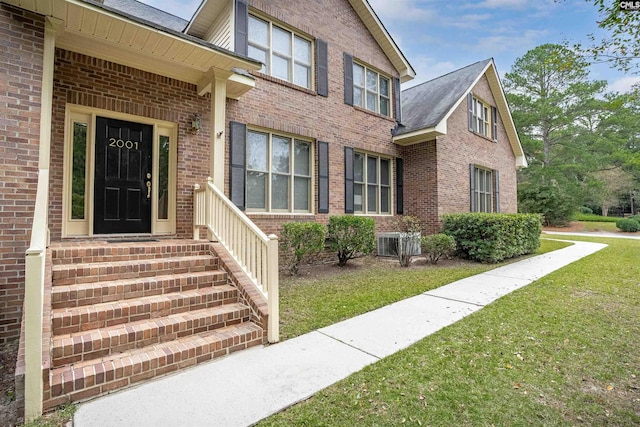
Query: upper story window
x=483 y=118
x=371 y=184
x=285 y=54
x=371 y=90
x=278 y=173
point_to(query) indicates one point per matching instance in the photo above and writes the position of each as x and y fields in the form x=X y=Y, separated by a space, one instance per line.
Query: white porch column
x=218 y=123
x=36 y=254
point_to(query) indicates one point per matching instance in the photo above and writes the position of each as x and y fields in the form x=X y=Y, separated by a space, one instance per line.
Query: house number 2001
x=119 y=143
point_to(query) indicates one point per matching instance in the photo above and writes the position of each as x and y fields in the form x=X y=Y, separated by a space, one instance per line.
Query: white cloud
x=506 y=42
x=623 y=84
x=428 y=69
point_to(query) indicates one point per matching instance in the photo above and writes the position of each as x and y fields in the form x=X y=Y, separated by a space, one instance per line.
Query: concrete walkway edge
x=246 y=387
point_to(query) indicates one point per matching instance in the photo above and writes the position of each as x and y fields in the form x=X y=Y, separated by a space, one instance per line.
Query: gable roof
x=210 y=9
x=426 y=107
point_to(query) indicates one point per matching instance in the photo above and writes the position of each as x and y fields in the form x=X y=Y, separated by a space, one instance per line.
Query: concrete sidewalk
x=246 y=387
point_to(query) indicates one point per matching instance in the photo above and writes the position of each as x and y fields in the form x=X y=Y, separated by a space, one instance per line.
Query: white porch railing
x=252 y=249
x=35 y=262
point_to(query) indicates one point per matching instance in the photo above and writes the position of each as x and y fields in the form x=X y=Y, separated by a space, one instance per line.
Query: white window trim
x=84 y=227
x=291 y=175
x=379 y=185
x=292 y=58
x=478 y=194
x=482 y=117
x=365 y=90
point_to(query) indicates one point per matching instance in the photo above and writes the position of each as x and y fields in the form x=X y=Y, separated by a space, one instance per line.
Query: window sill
x=281 y=82
x=488 y=138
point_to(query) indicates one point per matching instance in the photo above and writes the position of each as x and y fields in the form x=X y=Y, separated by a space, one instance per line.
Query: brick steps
x=76 y=319
x=126 y=312
x=65 y=296
x=69 y=274
x=98 y=376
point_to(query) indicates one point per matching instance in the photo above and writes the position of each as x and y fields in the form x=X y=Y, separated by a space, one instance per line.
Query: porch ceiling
x=96 y=31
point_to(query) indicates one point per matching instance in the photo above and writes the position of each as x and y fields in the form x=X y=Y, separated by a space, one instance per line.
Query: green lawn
x=564 y=350
x=600 y=226
x=310 y=302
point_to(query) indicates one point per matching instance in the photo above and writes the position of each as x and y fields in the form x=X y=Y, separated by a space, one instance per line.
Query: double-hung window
x=371 y=90
x=482 y=190
x=371 y=184
x=483 y=118
x=278 y=173
x=285 y=54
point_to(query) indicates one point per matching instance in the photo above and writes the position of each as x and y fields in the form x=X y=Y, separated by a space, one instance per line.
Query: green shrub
x=301 y=240
x=635 y=217
x=435 y=246
x=410 y=228
x=488 y=237
x=351 y=236
x=553 y=202
x=628 y=225
x=585 y=210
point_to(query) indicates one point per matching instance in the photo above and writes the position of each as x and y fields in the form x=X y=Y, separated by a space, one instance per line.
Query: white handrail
x=35 y=262
x=253 y=250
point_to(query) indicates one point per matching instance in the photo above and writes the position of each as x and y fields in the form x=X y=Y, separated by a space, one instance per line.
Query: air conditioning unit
x=388 y=243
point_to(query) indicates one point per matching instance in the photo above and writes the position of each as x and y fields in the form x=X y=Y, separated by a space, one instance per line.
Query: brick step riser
x=90 y=318
x=97 y=346
x=73 y=385
x=81 y=295
x=79 y=274
x=87 y=255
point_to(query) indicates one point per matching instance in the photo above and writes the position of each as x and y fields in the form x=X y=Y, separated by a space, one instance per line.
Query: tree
x=611 y=186
x=551 y=98
x=622 y=47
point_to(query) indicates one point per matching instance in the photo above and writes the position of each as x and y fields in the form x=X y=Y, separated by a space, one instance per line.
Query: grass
x=310 y=303
x=561 y=351
x=600 y=226
x=59 y=418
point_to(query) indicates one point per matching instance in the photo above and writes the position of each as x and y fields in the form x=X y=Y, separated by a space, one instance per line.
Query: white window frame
x=365 y=209
x=292 y=175
x=290 y=57
x=482 y=118
x=379 y=97
x=483 y=178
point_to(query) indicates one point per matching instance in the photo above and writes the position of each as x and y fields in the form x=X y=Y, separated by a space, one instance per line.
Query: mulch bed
x=8 y=356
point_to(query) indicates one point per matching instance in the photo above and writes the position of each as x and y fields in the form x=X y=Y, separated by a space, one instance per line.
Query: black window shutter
x=322 y=59
x=348 y=179
x=496 y=191
x=397 y=100
x=472 y=181
x=348 y=79
x=399 y=186
x=237 y=157
x=323 y=177
x=470 y=102
x=242 y=28
x=494 y=120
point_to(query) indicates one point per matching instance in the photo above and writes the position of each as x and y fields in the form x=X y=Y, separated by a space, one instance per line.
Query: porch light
x=195 y=124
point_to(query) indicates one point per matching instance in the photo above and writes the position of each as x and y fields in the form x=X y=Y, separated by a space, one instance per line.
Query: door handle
x=148 y=189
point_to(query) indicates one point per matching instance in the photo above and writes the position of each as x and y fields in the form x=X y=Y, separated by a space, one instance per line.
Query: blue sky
x=439 y=36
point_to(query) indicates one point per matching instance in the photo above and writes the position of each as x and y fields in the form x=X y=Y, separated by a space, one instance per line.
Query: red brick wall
x=281 y=107
x=446 y=182
x=21 y=52
x=93 y=82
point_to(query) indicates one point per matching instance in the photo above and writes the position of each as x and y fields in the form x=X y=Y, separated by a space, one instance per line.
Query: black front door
x=122 y=196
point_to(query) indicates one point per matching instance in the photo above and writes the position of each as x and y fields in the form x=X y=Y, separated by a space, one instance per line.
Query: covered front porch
x=132 y=120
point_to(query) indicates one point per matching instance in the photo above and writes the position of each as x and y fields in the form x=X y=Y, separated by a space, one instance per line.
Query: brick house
x=127 y=132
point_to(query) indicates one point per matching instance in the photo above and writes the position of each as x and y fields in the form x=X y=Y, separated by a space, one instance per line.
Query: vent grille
x=388 y=244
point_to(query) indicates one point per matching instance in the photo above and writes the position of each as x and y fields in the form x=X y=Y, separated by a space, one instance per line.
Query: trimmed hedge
x=628 y=225
x=494 y=237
